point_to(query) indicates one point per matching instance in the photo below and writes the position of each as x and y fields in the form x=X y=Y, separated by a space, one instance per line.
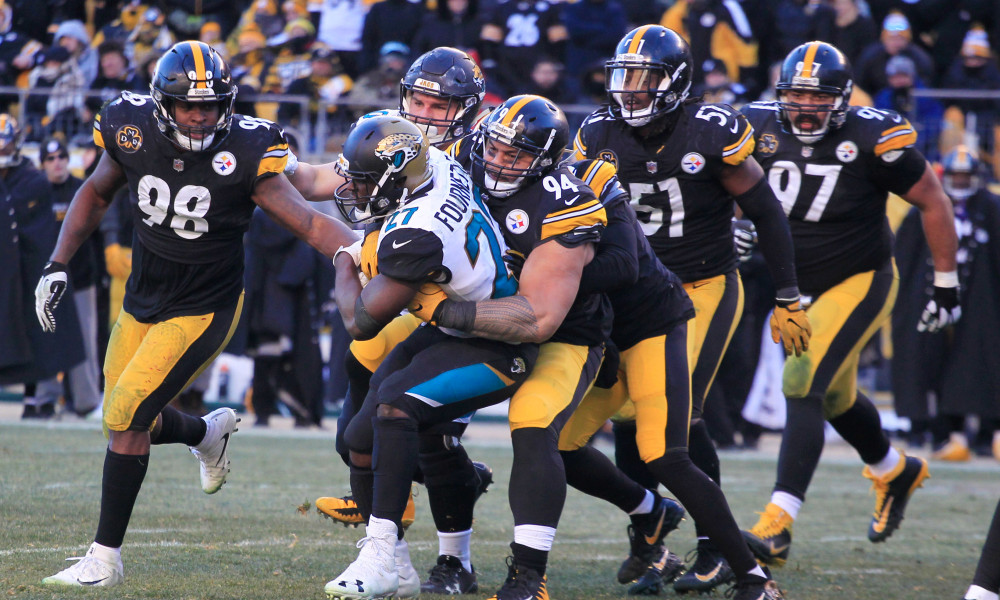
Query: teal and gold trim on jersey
x=737 y=152
x=274 y=160
x=589 y=214
x=896 y=138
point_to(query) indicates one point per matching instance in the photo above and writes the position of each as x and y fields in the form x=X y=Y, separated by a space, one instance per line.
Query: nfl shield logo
x=651 y=166
x=178 y=165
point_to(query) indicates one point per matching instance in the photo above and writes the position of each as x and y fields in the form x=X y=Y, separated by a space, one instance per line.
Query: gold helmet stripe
x=507 y=118
x=807 y=60
x=633 y=47
x=199 y=64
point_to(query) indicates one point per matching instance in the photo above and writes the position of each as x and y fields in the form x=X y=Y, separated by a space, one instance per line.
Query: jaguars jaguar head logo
x=399 y=149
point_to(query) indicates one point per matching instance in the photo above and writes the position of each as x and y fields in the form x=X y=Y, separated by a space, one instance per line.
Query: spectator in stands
x=952 y=362
x=248 y=65
x=641 y=12
x=594 y=28
x=33 y=18
x=17 y=55
x=151 y=37
x=853 y=31
x=27 y=354
x=789 y=23
x=514 y=37
x=83 y=380
x=115 y=75
x=340 y=26
x=389 y=21
x=975 y=69
x=185 y=17
x=121 y=27
x=718 y=87
x=548 y=79
x=455 y=23
x=73 y=36
x=211 y=34
x=720 y=30
x=924 y=113
x=896 y=39
x=58 y=108
x=326 y=83
x=379 y=88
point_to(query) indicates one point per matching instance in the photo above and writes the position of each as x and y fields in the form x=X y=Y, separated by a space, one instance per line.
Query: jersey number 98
x=189 y=206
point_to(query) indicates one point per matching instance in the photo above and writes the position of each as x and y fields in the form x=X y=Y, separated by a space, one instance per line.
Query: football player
x=833 y=166
x=442 y=94
x=986 y=581
x=684 y=162
x=437 y=237
x=552 y=223
x=654 y=374
x=195 y=171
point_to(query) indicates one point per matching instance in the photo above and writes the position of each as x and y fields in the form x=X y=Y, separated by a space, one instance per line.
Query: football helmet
x=10 y=141
x=192 y=72
x=519 y=142
x=962 y=173
x=814 y=67
x=450 y=74
x=384 y=158
x=649 y=76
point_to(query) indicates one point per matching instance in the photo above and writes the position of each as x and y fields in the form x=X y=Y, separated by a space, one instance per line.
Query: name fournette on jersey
x=460 y=196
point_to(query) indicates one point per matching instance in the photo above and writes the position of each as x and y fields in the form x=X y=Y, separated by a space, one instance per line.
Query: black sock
x=537 y=490
x=701 y=451
x=987 y=574
x=627 y=455
x=593 y=473
x=451 y=482
x=861 y=427
x=530 y=558
x=177 y=427
x=707 y=505
x=362 y=484
x=393 y=460
x=801 y=445
x=123 y=475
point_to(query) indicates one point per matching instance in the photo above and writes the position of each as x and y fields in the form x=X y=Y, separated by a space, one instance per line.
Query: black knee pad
x=445 y=463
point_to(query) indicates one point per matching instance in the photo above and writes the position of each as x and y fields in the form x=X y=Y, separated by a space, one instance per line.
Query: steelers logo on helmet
x=847 y=151
x=692 y=163
x=517 y=221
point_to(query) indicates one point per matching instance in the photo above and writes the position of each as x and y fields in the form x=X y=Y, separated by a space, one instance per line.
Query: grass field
x=251 y=541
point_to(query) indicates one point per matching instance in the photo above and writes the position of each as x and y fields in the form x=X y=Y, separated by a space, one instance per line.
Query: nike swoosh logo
x=396 y=246
x=698 y=285
x=572 y=200
x=81 y=582
x=652 y=539
x=418 y=308
x=883 y=519
x=776 y=549
x=710 y=575
x=225 y=444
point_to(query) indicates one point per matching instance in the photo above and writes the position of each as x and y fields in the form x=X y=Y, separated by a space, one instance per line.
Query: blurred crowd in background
x=314 y=66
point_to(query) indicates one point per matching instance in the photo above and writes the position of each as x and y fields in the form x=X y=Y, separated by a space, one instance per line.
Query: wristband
x=460 y=315
x=946 y=279
x=786 y=297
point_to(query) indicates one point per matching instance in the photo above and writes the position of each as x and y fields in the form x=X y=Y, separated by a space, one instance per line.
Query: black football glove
x=941 y=311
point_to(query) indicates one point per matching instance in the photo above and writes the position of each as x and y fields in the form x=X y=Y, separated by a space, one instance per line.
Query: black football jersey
x=835 y=190
x=657 y=301
x=190 y=209
x=673 y=181
x=562 y=209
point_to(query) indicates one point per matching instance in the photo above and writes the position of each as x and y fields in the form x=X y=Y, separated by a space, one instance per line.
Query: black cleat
x=522 y=584
x=755 y=588
x=664 y=570
x=645 y=536
x=448 y=576
x=891 y=495
x=708 y=572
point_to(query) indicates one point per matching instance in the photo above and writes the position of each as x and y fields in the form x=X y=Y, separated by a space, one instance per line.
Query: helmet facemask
x=367 y=196
x=833 y=113
x=10 y=142
x=505 y=162
x=962 y=176
x=437 y=130
x=642 y=90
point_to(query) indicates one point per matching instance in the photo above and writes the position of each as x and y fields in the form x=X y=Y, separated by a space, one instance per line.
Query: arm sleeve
x=616 y=263
x=774 y=236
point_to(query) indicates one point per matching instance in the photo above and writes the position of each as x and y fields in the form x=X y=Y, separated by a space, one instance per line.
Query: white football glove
x=354 y=250
x=745 y=238
x=49 y=292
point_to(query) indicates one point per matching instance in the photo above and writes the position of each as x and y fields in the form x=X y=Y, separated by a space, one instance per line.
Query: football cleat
x=409 y=580
x=345 y=510
x=956 y=450
x=99 y=567
x=372 y=575
x=448 y=576
x=645 y=536
x=212 y=452
x=709 y=571
x=755 y=588
x=771 y=538
x=891 y=494
x=522 y=584
x=663 y=570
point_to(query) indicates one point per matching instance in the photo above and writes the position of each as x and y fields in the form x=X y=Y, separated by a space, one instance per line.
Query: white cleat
x=409 y=580
x=372 y=575
x=212 y=451
x=100 y=567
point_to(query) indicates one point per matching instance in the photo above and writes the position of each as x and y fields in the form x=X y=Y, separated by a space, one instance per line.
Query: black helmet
x=383 y=157
x=10 y=141
x=650 y=60
x=961 y=161
x=192 y=72
x=450 y=74
x=814 y=67
x=529 y=125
